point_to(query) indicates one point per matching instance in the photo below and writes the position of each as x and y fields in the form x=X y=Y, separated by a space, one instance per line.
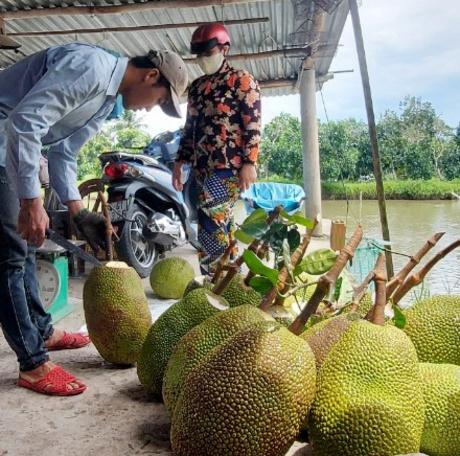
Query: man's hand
x=92 y=226
x=247 y=175
x=33 y=221
x=177 y=177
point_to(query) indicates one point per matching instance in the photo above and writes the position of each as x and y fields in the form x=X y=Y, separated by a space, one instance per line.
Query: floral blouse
x=222 y=130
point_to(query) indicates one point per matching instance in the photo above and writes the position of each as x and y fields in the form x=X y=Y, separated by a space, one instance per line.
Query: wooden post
x=372 y=130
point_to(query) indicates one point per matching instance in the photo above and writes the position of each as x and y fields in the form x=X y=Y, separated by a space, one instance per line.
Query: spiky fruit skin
x=441 y=388
x=170 y=276
x=247 y=397
x=199 y=341
x=239 y=294
x=324 y=335
x=116 y=312
x=369 y=400
x=363 y=307
x=164 y=334
x=434 y=327
x=194 y=284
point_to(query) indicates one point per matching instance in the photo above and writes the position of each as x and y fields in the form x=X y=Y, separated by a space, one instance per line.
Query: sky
x=412 y=48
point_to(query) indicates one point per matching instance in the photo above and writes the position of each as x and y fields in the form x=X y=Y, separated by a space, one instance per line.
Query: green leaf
x=399 y=318
x=261 y=284
x=317 y=262
x=257 y=267
x=293 y=238
x=338 y=289
x=255 y=224
x=243 y=237
x=298 y=218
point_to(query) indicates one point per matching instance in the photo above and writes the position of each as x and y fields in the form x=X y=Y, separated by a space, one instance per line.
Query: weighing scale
x=53 y=278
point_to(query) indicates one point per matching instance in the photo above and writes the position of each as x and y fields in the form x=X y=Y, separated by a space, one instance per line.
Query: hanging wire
x=340 y=161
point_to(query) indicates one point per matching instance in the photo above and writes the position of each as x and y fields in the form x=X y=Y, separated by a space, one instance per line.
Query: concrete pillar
x=310 y=142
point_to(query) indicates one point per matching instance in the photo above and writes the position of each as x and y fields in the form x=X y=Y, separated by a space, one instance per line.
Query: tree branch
x=223 y=261
x=220 y=287
x=377 y=313
x=401 y=276
x=326 y=280
x=360 y=291
x=417 y=278
x=284 y=273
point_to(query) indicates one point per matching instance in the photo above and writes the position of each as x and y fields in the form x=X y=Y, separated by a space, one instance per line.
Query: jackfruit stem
x=360 y=291
x=223 y=261
x=326 y=281
x=401 y=276
x=222 y=285
x=282 y=285
x=417 y=278
x=377 y=313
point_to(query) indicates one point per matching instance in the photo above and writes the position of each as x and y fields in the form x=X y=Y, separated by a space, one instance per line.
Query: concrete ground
x=112 y=418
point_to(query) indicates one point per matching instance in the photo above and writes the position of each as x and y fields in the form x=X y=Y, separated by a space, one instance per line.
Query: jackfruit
x=325 y=334
x=199 y=341
x=369 y=400
x=247 y=397
x=170 y=276
x=441 y=388
x=434 y=327
x=116 y=312
x=363 y=307
x=237 y=293
x=164 y=334
x=282 y=315
x=198 y=282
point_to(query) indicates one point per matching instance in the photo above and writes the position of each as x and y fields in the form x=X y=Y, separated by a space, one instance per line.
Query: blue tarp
x=268 y=195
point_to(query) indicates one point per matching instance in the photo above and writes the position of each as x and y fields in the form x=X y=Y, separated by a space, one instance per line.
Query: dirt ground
x=112 y=418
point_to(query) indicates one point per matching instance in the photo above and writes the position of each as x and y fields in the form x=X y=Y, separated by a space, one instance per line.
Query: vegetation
x=415 y=144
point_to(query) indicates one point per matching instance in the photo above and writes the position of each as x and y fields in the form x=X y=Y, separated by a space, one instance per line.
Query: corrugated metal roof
x=289 y=26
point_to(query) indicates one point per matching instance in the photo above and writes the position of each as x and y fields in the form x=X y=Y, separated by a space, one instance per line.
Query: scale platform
x=53 y=277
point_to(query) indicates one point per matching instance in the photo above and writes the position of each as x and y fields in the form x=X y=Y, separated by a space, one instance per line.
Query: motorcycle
x=148 y=214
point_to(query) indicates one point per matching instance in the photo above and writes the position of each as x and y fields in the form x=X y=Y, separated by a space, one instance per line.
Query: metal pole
x=372 y=129
x=310 y=143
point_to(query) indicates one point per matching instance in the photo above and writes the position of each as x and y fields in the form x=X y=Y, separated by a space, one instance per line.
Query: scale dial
x=49 y=282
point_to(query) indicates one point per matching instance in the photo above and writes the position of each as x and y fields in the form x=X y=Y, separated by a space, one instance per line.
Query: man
x=221 y=140
x=59 y=97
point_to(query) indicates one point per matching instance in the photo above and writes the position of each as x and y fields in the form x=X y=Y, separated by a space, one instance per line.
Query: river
x=411 y=224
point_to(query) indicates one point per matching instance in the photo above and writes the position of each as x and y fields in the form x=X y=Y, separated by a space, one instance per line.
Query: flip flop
x=70 y=341
x=54 y=383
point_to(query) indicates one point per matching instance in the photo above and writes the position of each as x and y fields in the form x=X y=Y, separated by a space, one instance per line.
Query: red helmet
x=207 y=36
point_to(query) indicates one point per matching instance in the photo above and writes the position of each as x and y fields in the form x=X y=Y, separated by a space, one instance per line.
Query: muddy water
x=411 y=224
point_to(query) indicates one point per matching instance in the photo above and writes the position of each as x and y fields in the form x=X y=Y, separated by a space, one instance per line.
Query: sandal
x=69 y=341
x=54 y=383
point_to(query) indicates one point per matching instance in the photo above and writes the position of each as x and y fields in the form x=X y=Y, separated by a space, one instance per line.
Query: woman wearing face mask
x=221 y=140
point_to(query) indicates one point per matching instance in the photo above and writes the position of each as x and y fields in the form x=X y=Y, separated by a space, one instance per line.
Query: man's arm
x=248 y=94
x=186 y=146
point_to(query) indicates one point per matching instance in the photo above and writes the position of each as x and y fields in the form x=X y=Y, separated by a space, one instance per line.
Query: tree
x=281 y=149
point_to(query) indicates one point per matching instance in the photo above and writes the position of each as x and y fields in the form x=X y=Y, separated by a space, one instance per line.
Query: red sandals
x=70 y=341
x=55 y=383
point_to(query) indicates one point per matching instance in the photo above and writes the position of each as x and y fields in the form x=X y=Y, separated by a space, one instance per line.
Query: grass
x=433 y=189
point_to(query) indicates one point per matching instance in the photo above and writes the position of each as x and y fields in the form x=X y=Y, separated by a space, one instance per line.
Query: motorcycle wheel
x=132 y=247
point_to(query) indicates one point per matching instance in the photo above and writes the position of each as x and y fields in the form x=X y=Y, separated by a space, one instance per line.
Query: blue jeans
x=25 y=323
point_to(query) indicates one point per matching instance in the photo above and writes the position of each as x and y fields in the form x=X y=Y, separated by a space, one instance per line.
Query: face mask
x=211 y=64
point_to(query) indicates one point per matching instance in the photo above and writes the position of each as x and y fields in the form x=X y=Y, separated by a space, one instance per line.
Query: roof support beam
x=298 y=52
x=138 y=28
x=118 y=9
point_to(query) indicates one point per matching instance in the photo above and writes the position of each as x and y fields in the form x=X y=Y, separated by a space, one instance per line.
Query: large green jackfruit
x=170 y=276
x=116 y=312
x=369 y=400
x=164 y=334
x=238 y=294
x=248 y=397
x=441 y=387
x=199 y=341
x=434 y=327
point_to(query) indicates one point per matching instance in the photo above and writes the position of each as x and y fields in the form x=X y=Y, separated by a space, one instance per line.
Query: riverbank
x=433 y=189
